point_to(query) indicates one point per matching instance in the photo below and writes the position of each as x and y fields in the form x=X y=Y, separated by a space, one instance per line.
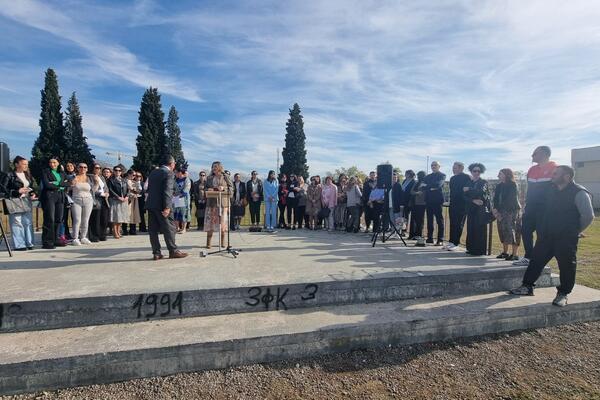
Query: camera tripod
x=384 y=219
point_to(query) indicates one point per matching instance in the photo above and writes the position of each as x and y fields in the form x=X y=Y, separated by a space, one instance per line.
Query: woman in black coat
x=506 y=210
x=52 y=198
x=477 y=195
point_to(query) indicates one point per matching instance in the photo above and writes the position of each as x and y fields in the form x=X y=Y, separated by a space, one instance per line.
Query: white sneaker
x=85 y=241
x=75 y=242
x=522 y=262
x=455 y=248
x=448 y=246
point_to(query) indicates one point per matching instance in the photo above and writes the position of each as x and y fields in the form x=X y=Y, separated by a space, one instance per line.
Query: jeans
x=21 y=226
x=81 y=209
x=270 y=214
x=354 y=218
x=331 y=219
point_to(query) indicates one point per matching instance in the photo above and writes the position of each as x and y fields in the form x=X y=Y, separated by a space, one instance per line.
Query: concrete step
x=31 y=361
x=55 y=312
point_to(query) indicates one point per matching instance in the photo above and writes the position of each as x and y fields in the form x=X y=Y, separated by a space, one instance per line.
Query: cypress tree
x=294 y=152
x=76 y=147
x=174 y=137
x=151 y=141
x=50 y=141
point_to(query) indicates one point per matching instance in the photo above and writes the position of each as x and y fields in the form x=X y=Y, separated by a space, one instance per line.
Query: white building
x=586 y=162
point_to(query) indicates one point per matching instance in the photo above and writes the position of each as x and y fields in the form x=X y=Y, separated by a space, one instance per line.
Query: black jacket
x=396 y=196
x=506 y=197
x=49 y=183
x=160 y=189
x=366 y=192
x=13 y=184
x=433 y=190
x=405 y=196
x=259 y=189
x=242 y=191
x=457 y=198
x=116 y=188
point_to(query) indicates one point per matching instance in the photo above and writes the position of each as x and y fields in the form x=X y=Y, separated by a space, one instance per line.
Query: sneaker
x=429 y=241
x=76 y=242
x=522 y=291
x=523 y=262
x=439 y=242
x=512 y=258
x=502 y=255
x=86 y=241
x=455 y=248
x=449 y=246
x=560 y=300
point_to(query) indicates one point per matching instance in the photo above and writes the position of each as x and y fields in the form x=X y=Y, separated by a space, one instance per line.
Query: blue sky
x=377 y=81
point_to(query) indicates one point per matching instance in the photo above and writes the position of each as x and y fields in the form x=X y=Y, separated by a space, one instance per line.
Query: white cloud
x=112 y=58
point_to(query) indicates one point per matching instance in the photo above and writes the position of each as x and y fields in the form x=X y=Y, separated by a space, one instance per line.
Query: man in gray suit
x=158 y=204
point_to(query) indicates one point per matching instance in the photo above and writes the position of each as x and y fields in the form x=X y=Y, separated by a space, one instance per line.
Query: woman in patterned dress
x=214 y=220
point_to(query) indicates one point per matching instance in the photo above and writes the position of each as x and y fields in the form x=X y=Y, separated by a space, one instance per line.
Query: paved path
x=124 y=266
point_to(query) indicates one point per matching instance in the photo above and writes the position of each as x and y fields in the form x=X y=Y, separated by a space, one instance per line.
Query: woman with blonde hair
x=83 y=189
x=215 y=219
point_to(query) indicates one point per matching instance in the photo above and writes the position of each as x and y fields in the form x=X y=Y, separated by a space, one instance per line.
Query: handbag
x=17 y=205
x=324 y=213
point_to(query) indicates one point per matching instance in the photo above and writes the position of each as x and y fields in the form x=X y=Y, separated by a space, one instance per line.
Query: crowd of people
x=114 y=199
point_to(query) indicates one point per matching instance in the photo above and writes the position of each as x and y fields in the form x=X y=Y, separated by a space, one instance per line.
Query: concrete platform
x=114 y=281
x=32 y=361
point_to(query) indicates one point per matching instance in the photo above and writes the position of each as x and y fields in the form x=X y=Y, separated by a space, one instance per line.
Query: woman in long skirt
x=214 y=218
x=118 y=200
x=477 y=195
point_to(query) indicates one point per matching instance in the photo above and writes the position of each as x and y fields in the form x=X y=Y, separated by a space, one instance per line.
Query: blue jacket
x=271 y=190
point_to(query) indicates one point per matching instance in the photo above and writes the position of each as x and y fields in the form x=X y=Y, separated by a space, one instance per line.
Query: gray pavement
x=123 y=266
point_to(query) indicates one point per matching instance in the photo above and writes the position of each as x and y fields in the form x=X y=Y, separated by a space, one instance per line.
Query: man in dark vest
x=568 y=212
x=458 y=204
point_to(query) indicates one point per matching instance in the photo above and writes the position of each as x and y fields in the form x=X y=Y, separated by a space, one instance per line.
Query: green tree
x=76 y=147
x=294 y=152
x=151 y=141
x=351 y=171
x=174 y=138
x=50 y=142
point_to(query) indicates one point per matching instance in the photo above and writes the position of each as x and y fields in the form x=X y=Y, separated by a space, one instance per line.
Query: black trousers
x=142 y=205
x=291 y=207
x=52 y=206
x=369 y=217
x=435 y=211
x=99 y=221
x=564 y=248
x=299 y=216
x=476 y=235
x=281 y=214
x=416 y=220
x=158 y=223
x=457 y=223
x=254 y=211
x=530 y=221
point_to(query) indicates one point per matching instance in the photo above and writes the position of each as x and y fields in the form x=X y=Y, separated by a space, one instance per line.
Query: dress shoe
x=177 y=254
x=157 y=257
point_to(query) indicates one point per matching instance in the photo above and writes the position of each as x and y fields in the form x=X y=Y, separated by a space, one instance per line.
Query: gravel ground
x=552 y=363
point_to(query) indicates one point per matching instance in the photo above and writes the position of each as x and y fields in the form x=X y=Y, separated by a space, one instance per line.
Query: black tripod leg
x=5 y=238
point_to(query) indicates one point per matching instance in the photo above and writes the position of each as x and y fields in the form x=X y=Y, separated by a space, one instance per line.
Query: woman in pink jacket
x=329 y=199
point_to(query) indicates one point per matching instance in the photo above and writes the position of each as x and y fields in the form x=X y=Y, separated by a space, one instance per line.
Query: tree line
x=62 y=136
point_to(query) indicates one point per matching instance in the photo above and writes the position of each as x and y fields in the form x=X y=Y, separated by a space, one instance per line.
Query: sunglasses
x=82 y=166
x=96 y=167
x=117 y=170
x=477 y=170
